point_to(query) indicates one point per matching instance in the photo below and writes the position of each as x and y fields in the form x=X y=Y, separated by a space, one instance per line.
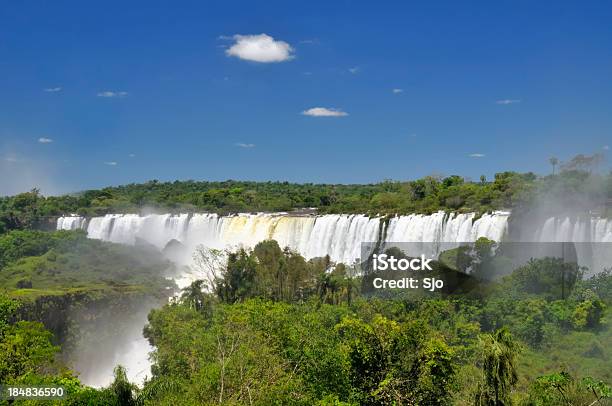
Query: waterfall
x=590 y=238
x=341 y=235
x=441 y=231
x=576 y=229
x=337 y=235
x=71 y=223
x=448 y=228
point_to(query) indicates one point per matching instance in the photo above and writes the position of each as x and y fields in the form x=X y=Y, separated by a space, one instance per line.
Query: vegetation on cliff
x=270 y=327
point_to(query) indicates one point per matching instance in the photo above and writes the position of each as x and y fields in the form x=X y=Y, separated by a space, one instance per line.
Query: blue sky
x=118 y=92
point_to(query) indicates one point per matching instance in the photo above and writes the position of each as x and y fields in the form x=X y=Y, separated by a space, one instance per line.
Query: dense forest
x=508 y=190
x=270 y=327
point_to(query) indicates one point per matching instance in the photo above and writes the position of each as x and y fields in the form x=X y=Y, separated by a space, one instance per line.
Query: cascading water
x=339 y=236
x=441 y=229
x=71 y=223
x=576 y=229
x=589 y=237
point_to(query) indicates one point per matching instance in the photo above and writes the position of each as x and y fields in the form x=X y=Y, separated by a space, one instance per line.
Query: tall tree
x=193 y=295
x=499 y=351
x=554 y=162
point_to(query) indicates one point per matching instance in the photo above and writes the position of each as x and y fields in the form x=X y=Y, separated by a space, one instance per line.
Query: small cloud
x=11 y=158
x=44 y=140
x=397 y=91
x=413 y=135
x=309 y=41
x=110 y=93
x=476 y=155
x=131 y=155
x=354 y=69
x=52 y=89
x=111 y=163
x=307 y=73
x=606 y=147
x=324 y=112
x=508 y=101
x=260 y=48
x=243 y=145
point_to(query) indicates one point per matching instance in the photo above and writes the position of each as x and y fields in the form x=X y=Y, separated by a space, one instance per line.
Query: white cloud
x=44 y=140
x=110 y=93
x=244 y=145
x=111 y=163
x=53 y=89
x=308 y=41
x=397 y=91
x=131 y=155
x=508 y=101
x=11 y=158
x=354 y=69
x=606 y=147
x=477 y=155
x=324 y=112
x=260 y=48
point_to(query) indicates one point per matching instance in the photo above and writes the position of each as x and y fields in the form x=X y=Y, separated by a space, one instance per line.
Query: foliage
x=19 y=244
x=426 y=195
x=270 y=327
x=560 y=388
x=25 y=348
x=551 y=278
x=50 y=264
x=499 y=352
x=268 y=272
x=297 y=354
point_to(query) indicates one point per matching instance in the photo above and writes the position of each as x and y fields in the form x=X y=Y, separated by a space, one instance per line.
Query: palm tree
x=499 y=351
x=554 y=162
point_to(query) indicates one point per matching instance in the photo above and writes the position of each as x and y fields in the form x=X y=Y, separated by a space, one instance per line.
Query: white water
x=443 y=229
x=339 y=236
x=71 y=223
x=577 y=229
x=336 y=235
x=589 y=235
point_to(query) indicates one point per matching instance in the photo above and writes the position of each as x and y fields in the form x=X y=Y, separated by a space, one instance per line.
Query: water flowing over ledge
x=337 y=235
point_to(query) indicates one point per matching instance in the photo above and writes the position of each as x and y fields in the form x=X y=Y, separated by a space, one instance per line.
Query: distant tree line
x=508 y=190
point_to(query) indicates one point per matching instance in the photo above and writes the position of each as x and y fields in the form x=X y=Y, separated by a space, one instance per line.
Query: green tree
x=499 y=351
x=194 y=297
x=25 y=348
x=238 y=278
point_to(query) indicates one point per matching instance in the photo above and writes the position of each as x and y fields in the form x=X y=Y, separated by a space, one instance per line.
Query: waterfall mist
x=339 y=236
x=106 y=338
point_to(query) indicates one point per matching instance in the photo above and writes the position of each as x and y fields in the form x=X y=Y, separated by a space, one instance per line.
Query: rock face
x=175 y=251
